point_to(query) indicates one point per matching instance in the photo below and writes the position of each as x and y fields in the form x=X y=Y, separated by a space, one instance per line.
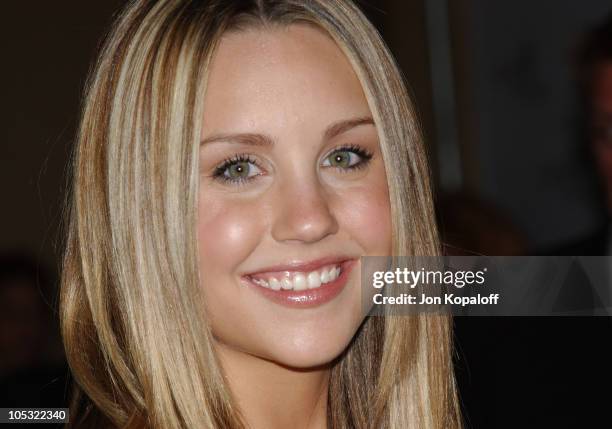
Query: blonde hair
x=133 y=322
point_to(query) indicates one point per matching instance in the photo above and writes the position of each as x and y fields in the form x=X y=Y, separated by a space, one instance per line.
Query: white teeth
x=286 y=284
x=314 y=280
x=301 y=281
x=274 y=284
x=262 y=282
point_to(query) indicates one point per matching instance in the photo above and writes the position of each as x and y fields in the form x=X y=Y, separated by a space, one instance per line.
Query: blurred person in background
x=31 y=363
x=471 y=225
x=595 y=77
x=544 y=371
x=22 y=316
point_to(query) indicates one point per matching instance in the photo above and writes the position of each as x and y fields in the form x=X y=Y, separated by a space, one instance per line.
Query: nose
x=303 y=213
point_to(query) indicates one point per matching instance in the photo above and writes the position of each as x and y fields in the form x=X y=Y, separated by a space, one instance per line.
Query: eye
x=238 y=169
x=349 y=157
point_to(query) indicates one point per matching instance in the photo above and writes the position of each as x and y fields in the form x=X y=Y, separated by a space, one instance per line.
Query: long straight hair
x=133 y=319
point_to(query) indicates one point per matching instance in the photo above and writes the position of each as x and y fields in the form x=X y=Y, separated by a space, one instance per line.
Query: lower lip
x=307 y=298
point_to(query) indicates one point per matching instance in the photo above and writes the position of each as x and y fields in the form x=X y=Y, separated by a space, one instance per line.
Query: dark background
x=497 y=95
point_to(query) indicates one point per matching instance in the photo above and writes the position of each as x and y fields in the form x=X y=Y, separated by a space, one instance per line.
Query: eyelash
x=365 y=155
x=219 y=171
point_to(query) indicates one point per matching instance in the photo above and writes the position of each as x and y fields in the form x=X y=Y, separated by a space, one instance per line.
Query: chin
x=307 y=360
x=311 y=352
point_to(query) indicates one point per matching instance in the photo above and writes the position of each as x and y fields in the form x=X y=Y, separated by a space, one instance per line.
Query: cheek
x=366 y=216
x=227 y=233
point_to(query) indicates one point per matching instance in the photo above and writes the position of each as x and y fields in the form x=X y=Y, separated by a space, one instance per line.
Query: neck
x=274 y=396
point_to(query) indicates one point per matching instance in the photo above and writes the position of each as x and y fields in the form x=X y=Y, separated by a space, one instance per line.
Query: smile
x=298 y=281
x=303 y=286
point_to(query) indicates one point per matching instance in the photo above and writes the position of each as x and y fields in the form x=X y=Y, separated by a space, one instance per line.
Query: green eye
x=238 y=170
x=340 y=159
x=347 y=158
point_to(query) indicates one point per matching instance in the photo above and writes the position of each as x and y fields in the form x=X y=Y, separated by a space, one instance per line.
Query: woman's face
x=292 y=193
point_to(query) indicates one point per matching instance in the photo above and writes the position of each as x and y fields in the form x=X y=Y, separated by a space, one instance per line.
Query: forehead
x=289 y=73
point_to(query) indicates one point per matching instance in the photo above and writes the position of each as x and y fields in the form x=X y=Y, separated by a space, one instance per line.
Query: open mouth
x=300 y=287
x=297 y=280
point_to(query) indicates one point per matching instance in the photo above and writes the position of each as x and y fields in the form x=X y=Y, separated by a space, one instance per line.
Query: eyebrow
x=331 y=131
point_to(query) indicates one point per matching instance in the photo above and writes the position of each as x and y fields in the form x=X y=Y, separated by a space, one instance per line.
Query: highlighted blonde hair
x=133 y=317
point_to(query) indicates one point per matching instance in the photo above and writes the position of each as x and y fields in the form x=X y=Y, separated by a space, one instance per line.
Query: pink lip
x=302 y=266
x=305 y=298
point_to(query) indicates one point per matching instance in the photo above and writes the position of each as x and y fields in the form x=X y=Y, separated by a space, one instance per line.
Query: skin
x=602 y=122
x=289 y=84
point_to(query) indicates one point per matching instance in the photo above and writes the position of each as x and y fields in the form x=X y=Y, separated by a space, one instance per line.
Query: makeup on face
x=302 y=285
x=293 y=192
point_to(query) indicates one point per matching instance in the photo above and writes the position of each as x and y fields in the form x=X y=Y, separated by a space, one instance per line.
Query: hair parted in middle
x=133 y=315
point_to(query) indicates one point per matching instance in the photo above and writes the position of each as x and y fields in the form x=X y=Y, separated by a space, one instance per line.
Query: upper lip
x=303 y=266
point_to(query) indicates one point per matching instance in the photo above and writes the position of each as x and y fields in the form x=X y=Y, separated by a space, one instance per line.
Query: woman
x=235 y=160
